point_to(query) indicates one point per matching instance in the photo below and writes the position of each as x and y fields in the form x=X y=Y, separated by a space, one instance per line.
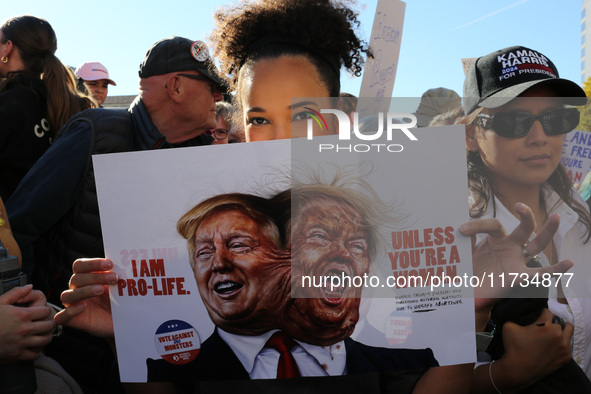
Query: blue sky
x=436 y=34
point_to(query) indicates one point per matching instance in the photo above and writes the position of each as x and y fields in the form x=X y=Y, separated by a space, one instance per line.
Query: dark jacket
x=54 y=212
x=217 y=362
x=55 y=219
x=24 y=130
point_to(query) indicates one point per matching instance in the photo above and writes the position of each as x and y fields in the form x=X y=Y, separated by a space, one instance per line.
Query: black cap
x=499 y=77
x=175 y=54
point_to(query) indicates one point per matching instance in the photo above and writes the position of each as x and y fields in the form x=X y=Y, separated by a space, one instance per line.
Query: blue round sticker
x=177 y=342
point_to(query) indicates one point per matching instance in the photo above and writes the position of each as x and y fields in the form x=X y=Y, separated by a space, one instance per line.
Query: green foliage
x=585 y=124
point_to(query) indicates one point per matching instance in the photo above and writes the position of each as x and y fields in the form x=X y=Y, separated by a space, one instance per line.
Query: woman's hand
x=531 y=353
x=500 y=254
x=87 y=302
x=26 y=329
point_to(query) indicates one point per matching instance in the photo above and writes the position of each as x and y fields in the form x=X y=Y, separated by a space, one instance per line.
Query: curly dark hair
x=317 y=29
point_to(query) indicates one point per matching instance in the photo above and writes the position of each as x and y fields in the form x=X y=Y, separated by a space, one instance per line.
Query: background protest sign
x=156 y=306
x=576 y=155
x=380 y=72
x=467 y=63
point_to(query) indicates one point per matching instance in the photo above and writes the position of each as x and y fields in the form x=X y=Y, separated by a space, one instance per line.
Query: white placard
x=156 y=306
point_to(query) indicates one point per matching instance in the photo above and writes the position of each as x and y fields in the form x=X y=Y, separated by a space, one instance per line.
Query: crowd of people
x=526 y=217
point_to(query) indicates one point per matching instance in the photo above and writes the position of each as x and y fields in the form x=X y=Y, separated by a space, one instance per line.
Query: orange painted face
x=240 y=278
x=329 y=238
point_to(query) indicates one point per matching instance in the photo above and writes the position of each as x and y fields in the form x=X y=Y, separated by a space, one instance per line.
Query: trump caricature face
x=328 y=238
x=242 y=278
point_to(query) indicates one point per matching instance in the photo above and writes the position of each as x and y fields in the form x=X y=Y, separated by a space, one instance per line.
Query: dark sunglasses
x=214 y=86
x=516 y=124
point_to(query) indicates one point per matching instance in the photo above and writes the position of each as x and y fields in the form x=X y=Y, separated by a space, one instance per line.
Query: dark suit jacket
x=217 y=363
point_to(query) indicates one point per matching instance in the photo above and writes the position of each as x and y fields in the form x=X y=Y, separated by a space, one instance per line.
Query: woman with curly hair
x=276 y=50
x=37 y=96
x=273 y=51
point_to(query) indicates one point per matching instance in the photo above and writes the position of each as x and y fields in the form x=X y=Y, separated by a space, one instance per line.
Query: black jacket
x=54 y=213
x=24 y=130
x=382 y=370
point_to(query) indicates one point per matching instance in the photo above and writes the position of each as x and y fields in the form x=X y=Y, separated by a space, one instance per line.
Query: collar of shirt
x=312 y=360
x=246 y=347
x=333 y=358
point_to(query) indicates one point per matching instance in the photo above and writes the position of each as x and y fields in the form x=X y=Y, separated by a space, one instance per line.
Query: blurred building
x=118 y=101
x=585 y=40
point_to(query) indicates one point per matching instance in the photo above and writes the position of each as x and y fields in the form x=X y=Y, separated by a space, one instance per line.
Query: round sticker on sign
x=177 y=342
x=200 y=51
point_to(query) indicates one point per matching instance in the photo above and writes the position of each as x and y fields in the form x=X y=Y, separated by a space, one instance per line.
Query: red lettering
x=427 y=232
x=440 y=256
x=449 y=233
x=438 y=236
x=418 y=243
x=454 y=255
x=430 y=257
x=157 y=291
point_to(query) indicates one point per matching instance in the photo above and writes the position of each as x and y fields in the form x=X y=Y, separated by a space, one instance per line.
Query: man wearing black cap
x=54 y=213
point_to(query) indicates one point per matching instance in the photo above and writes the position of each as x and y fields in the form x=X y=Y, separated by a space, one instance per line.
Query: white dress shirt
x=261 y=362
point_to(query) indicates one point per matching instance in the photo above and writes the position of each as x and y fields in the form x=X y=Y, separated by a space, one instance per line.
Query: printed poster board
x=157 y=310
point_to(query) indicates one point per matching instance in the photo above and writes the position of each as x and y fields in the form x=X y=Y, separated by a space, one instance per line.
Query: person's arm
x=531 y=353
x=499 y=252
x=6 y=234
x=88 y=308
x=48 y=191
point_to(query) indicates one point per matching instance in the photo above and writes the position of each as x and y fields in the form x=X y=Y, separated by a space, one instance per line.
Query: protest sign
x=576 y=155
x=380 y=72
x=467 y=63
x=158 y=311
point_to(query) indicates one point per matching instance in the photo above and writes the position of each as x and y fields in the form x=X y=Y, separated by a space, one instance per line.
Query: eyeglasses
x=516 y=124
x=219 y=134
x=214 y=86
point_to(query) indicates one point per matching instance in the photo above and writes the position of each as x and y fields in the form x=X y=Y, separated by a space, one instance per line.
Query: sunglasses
x=516 y=124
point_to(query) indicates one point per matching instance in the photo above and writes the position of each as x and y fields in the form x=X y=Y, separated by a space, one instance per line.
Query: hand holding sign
x=87 y=302
x=500 y=254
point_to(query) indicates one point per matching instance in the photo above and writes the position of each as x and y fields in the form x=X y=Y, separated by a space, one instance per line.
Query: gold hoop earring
x=4 y=59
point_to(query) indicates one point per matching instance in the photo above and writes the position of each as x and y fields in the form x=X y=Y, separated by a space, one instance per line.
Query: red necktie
x=287 y=367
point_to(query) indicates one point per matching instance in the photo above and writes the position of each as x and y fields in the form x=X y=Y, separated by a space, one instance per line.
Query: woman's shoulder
x=22 y=97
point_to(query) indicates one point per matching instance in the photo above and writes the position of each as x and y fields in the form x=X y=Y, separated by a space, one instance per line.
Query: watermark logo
x=317 y=117
x=393 y=122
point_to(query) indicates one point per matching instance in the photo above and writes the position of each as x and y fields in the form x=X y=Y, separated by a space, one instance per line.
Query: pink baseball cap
x=91 y=71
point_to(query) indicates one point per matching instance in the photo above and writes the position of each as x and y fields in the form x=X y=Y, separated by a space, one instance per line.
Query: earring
x=4 y=59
